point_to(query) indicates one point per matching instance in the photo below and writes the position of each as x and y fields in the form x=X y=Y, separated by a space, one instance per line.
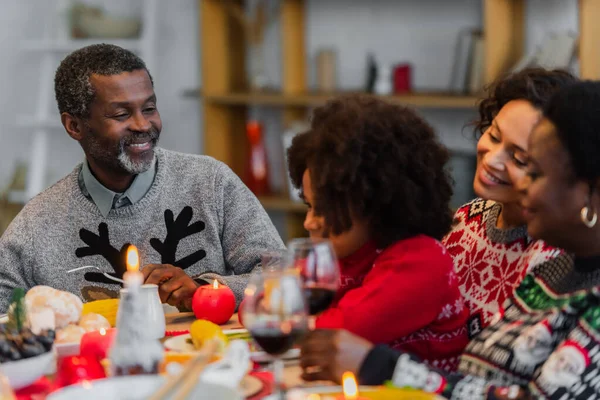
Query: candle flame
x=349 y=386
x=215 y=284
x=133 y=259
x=102 y=331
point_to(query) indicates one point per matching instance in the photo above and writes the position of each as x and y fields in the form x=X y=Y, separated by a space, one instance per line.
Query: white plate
x=180 y=344
x=136 y=388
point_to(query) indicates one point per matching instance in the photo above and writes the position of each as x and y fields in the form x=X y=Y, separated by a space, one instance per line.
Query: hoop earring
x=584 y=217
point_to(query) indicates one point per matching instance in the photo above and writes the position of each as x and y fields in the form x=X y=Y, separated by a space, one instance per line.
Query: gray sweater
x=197 y=215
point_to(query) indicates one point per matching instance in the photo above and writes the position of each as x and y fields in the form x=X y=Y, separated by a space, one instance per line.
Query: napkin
x=231 y=369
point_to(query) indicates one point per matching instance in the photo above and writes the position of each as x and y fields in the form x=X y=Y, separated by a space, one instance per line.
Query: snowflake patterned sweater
x=490 y=262
x=197 y=215
x=545 y=344
x=405 y=296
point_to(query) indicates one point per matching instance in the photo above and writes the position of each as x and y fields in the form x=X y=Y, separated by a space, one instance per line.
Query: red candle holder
x=215 y=303
x=97 y=343
x=76 y=369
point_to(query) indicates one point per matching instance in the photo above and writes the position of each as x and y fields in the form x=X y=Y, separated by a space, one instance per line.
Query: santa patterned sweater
x=490 y=262
x=546 y=344
x=406 y=296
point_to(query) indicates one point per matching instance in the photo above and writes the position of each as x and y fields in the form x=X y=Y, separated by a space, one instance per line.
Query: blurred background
x=237 y=79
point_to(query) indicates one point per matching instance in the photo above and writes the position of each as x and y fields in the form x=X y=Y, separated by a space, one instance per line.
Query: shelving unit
x=225 y=95
x=423 y=100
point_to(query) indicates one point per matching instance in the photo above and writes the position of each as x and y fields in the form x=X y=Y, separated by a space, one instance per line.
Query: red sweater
x=405 y=296
x=490 y=262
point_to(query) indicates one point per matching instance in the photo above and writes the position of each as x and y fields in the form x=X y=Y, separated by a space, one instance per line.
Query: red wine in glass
x=319 y=298
x=275 y=341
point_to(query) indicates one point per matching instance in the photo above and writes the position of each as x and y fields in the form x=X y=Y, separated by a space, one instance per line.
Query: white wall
x=175 y=69
x=421 y=32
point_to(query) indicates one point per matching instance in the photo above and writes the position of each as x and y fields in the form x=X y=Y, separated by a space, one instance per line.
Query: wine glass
x=318 y=266
x=275 y=314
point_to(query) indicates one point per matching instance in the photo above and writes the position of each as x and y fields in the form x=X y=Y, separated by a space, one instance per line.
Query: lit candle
x=135 y=350
x=215 y=303
x=349 y=388
x=133 y=277
x=97 y=343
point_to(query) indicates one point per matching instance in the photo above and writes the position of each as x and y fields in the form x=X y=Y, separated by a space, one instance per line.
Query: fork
x=97 y=269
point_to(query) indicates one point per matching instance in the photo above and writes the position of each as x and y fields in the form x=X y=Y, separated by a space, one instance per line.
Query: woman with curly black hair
x=489 y=241
x=373 y=176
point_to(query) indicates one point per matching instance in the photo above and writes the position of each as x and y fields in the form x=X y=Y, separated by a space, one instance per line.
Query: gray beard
x=133 y=167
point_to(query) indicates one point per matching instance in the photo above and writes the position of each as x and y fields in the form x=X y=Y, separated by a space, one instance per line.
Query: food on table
x=93 y=322
x=24 y=344
x=71 y=317
x=203 y=330
x=17 y=312
x=107 y=308
x=70 y=334
x=41 y=320
x=17 y=341
x=66 y=306
x=174 y=362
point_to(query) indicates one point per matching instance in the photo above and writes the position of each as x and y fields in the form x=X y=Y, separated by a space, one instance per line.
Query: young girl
x=488 y=241
x=373 y=176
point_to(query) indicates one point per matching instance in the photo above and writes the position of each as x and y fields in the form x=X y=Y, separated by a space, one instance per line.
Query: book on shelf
x=556 y=51
x=467 y=67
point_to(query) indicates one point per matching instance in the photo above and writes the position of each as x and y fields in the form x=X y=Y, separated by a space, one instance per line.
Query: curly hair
x=536 y=85
x=574 y=113
x=377 y=161
x=73 y=89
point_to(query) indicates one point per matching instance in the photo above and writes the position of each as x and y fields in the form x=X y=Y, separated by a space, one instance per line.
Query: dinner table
x=179 y=323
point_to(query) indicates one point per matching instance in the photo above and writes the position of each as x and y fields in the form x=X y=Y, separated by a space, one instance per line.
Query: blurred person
x=546 y=344
x=488 y=241
x=190 y=216
x=374 y=177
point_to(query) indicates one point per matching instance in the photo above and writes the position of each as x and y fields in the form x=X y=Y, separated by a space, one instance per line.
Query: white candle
x=133 y=277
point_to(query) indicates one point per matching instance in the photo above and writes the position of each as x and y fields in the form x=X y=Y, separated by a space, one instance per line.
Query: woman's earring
x=584 y=217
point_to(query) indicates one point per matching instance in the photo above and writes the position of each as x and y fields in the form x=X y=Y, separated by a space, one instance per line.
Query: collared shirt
x=105 y=199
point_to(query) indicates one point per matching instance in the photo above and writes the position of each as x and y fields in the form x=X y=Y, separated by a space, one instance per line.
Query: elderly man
x=190 y=216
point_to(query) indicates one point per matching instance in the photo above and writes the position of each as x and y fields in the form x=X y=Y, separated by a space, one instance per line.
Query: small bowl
x=24 y=372
x=67 y=349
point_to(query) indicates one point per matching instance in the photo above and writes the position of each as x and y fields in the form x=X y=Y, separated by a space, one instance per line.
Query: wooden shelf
x=280 y=203
x=425 y=100
x=69 y=45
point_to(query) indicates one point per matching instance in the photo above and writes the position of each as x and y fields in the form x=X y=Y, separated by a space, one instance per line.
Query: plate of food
x=201 y=330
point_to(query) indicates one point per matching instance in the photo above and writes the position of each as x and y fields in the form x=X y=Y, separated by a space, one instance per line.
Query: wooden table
x=182 y=322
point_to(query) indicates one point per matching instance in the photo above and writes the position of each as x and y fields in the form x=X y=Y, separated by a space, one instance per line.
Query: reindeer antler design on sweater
x=178 y=229
x=99 y=245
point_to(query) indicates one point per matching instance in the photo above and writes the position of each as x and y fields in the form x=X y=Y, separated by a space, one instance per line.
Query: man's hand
x=175 y=287
x=327 y=354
